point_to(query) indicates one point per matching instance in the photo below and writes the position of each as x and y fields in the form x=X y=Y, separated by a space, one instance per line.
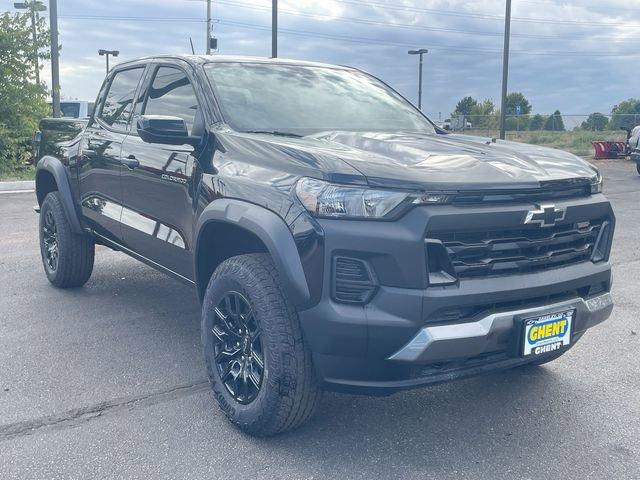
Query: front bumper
x=411 y=334
x=495 y=331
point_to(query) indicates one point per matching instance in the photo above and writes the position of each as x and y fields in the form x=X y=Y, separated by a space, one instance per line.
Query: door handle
x=131 y=162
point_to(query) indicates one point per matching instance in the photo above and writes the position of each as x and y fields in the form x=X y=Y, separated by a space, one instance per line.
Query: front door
x=158 y=180
x=99 y=164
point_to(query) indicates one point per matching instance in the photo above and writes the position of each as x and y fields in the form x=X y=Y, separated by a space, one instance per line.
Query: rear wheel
x=66 y=256
x=638 y=167
x=258 y=363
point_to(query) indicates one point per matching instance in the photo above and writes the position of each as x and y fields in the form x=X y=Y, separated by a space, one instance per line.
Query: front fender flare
x=271 y=230
x=57 y=169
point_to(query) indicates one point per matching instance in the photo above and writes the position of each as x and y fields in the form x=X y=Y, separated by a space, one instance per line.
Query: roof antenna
x=193 y=52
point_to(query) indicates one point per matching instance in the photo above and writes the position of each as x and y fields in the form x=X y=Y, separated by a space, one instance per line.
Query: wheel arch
x=51 y=175
x=236 y=227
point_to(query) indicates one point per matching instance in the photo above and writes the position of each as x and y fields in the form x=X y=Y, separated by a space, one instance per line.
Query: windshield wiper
x=275 y=132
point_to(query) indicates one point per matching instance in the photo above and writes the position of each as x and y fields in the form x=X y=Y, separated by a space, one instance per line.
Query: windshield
x=304 y=100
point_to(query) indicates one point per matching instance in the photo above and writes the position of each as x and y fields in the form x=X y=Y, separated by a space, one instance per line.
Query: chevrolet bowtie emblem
x=545 y=215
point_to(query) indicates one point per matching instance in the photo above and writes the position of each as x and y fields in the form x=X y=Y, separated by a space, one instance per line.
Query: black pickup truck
x=337 y=239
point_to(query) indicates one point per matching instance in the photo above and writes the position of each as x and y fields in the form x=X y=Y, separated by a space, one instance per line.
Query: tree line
x=483 y=114
x=22 y=100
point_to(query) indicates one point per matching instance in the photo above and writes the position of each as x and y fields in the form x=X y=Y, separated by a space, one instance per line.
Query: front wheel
x=638 y=167
x=258 y=363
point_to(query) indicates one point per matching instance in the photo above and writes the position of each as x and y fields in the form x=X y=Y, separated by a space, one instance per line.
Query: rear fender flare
x=57 y=169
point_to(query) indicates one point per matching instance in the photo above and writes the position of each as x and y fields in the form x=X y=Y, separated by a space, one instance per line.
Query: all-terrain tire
x=66 y=256
x=288 y=393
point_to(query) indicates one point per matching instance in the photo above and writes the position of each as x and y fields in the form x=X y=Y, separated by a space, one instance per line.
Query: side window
x=171 y=94
x=118 y=103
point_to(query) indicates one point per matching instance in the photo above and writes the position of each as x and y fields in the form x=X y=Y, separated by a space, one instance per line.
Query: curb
x=23 y=186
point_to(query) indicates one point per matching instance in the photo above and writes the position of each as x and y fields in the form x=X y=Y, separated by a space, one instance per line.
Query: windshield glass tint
x=305 y=100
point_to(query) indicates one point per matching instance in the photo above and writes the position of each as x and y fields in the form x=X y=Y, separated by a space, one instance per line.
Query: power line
x=579 y=5
x=254 y=6
x=311 y=15
x=456 y=48
x=133 y=19
x=357 y=39
x=483 y=16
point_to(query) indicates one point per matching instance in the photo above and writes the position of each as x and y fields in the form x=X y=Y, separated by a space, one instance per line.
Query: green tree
x=483 y=115
x=537 y=122
x=22 y=101
x=625 y=115
x=513 y=100
x=554 y=122
x=486 y=107
x=596 y=122
x=465 y=106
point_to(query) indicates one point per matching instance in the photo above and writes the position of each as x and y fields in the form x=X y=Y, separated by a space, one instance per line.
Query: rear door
x=158 y=180
x=99 y=165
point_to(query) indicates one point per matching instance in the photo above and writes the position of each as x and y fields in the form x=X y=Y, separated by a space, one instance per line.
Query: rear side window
x=118 y=103
x=171 y=94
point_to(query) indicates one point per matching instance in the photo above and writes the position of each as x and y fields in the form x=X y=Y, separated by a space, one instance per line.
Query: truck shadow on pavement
x=471 y=421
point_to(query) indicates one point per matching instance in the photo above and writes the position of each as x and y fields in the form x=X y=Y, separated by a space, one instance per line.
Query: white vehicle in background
x=634 y=139
x=457 y=124
x=75 y=109
x=633 y=146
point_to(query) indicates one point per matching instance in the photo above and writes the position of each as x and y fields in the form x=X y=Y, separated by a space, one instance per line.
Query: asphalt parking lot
x=108 y=382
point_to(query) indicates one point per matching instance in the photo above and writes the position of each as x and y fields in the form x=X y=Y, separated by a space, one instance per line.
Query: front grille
x=524 y=249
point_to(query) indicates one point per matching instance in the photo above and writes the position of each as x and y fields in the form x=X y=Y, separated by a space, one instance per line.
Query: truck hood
x=453 y=162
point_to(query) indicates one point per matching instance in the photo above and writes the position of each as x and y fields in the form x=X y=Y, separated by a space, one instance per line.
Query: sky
x=576 y=56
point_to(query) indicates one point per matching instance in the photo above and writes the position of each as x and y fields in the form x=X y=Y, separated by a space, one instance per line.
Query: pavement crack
x=80 y=415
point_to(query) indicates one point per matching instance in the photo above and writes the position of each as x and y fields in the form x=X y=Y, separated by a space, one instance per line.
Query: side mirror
x=164 y=130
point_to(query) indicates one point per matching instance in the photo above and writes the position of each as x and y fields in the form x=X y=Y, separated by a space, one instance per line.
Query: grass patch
x=25 y=173
x=577 y=142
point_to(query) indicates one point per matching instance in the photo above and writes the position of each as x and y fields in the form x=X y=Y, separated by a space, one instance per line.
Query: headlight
x=326 y=199
x=596 y=184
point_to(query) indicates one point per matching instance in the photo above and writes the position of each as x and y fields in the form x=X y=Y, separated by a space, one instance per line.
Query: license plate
x=547 y=333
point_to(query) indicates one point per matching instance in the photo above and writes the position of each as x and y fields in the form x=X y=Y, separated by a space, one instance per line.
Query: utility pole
x=208 y=27
x=505 y=70
x=274 y=28
x=55 y=61
x=34 y=7
x=420 y=52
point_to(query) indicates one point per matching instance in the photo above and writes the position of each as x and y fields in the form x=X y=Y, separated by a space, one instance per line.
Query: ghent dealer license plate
x=548 y=333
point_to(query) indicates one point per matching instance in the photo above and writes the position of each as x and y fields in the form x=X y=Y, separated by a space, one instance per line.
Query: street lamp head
x=418 y=52
x=115 y=52
x=102 y=51
x=37 y=6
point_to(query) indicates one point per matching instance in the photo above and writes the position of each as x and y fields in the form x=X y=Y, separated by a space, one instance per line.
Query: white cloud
x=571 y=83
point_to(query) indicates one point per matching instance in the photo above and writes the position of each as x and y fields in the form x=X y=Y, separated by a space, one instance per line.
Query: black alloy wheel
x=238 y=349
x=50 y=238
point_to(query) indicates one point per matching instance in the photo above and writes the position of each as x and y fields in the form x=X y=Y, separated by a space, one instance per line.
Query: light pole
x=420 y=52
x=274 y=28
x=55 y=57
x=505 y=70
x=34 y=7
x=106 y=53
x=208 y=27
